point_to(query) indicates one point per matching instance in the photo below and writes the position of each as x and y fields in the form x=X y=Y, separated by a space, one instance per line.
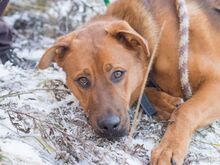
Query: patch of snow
x=3 y=71
x=20 y=153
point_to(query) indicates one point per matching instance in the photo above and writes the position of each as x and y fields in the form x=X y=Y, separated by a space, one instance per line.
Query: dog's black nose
x=109 y=124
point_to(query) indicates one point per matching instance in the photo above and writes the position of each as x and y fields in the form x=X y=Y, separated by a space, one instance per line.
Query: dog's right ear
x=57 y=52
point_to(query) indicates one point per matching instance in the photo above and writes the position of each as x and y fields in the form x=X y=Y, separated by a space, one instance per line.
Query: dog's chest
x=166 y=75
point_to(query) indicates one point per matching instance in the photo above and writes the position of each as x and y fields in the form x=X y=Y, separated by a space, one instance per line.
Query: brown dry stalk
x=136 y=121
x=14 y=94
x=29 y=6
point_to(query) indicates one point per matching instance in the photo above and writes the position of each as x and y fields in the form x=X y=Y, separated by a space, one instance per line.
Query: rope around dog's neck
x=183 y=47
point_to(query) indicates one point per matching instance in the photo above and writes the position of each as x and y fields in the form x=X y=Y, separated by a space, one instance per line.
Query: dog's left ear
x=123 y=32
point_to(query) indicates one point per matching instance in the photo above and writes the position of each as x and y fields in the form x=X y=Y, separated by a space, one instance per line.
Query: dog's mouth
x=112 y=135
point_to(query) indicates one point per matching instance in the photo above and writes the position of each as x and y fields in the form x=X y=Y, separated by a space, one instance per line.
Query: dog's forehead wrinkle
x=86 y=71
x=108 y=67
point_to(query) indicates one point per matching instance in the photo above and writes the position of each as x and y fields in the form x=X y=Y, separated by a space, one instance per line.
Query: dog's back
x=210 y=10
x=205 y=24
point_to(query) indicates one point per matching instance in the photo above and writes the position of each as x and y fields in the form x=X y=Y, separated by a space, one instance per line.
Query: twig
x=30 y=91
x=42 y=131
x=89 y=6
x=135 y=122
x=36 y=7
x=211 y=144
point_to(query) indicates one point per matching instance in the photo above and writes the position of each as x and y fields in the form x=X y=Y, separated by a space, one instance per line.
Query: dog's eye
x=83 y=82
x=117 y=76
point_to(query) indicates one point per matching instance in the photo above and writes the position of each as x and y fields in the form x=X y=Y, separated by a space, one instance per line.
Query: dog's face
x=104 y=63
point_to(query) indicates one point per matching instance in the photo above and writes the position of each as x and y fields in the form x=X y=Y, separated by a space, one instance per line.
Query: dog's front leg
x=163 y=103
x=202 y=109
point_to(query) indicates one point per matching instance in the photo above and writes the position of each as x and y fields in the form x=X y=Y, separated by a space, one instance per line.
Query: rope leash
x=184 y=48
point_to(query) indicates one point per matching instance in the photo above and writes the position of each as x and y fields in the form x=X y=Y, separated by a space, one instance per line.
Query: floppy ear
x=123 y=32
x=56 y=53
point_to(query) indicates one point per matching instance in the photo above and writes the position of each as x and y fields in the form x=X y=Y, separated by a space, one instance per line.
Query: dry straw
x=136 y=121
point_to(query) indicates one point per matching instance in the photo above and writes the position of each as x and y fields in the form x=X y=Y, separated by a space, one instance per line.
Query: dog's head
x=105 y=62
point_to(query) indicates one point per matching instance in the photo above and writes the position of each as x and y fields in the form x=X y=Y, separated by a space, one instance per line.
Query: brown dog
x=105 y=61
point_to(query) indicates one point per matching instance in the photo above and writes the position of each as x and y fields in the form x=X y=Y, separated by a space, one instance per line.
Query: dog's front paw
x=171 y=151
x=166 y=155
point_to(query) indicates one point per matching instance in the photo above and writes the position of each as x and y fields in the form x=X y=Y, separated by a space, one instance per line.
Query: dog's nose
x=109 y=124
